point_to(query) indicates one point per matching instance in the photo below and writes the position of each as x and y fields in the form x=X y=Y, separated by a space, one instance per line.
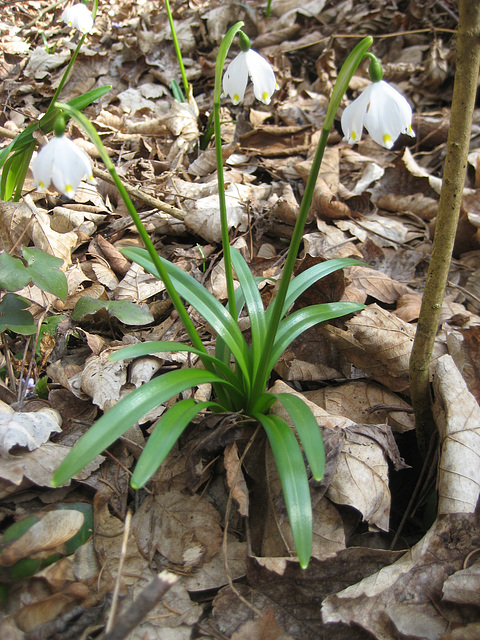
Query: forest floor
x=383 y=565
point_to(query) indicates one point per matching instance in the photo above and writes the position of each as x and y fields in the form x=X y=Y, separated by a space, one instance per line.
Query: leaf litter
x=210 y=515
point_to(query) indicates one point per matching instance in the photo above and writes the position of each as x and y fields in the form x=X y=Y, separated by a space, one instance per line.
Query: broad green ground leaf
x=127 y=312
x=14 y=274
x=45 y=272
x=13 y=315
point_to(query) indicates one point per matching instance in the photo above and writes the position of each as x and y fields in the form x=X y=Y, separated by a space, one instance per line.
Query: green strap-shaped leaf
x=124 y=415
x=204 y=302
x=169 y=428
x=293 y=476
x=151 y=348
x=308 y=431
x=299 y=321
x=310 y=276
x=254 y=304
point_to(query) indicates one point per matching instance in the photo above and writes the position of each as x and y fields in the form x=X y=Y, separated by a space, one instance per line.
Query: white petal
x=388 y=116
x=78 y=16
x=353 y=117
x=262 y=76
x=63 y=163
x=236 y=78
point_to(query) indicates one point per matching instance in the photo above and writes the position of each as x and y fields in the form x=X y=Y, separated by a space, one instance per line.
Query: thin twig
x=116 y=590
x=146 y=601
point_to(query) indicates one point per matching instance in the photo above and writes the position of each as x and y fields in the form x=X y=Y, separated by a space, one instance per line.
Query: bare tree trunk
x=463 y=102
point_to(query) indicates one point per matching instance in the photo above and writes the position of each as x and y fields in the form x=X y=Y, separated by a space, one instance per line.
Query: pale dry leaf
x=75 y=278
x=15 y=224
x=64 y=219
x=408 y=307
x=263 y=628
x=360 y=479
x=41 y=63
x=184 y=528
x=463 y=587
x=105 y=275
x=37 y=467
x=235 y=478
x=27 y=429
x=457 y=416
x=419 y=172
x=103 y=379
x=212 y=574
x=182 y=120
x=379 y=343
x=143 y=369
x=44 y=237
x=365 y=402
x=138 y=286
x=55 y=528
x=421 y=205
x=376 y=284
x=399 y=600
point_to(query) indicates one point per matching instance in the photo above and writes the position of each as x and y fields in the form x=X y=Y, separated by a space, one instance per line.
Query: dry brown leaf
x=236 y=479
x=263 y=628
x=408 y=307
x=138 y=286
x=379 y=343
x=143 y=369
x=105 y=275
x=184 y=528
x=103 y=379
x=418 y=203
x=463 y=587
x=400 y=600
x=37 y=467
x=360 y=476
x=212 y=574
x=376 y=284
x=55 y=528
x=457 y=416
x=27 y=429
x=365 y=403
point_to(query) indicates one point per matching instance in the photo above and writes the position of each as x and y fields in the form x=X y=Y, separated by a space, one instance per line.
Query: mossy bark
x=463 y=102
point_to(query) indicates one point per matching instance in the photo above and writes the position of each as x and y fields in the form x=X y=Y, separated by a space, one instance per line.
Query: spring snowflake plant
x=15 y=158
x=238 y=372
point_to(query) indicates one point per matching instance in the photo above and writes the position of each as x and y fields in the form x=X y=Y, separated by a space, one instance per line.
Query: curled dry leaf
x=52 y=530
x=408 y=307
x=376 y=284
x=401 y=600
x=379 y=343
x=463 y=587
x=418 y=203
x=360 y=479
x=103 y=379
x=365 y=403
x=457 y=416
x=27 y=429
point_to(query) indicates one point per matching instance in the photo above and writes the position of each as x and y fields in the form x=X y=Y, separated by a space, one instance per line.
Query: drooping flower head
x=249 y=63
x=62 y=162
x=383 y=112
x=78 y=16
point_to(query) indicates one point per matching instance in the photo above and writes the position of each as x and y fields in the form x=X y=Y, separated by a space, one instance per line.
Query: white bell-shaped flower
x=78 y=16
x=383 y=112
x=60 y=161
x=249 y=63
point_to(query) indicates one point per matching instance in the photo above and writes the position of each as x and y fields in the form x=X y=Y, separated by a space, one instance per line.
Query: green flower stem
x=267 y=13
x=87 y=126
x=186 y=85
x=341 y=85
x=71 y=63
x=217 y=92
